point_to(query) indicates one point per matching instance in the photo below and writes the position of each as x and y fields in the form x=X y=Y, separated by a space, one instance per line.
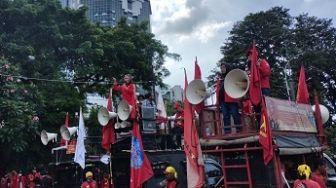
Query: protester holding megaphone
x=228 y=105
x=128 y=92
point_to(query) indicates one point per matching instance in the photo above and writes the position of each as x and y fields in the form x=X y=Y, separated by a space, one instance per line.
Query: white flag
x=161 y=106
x=80 y=146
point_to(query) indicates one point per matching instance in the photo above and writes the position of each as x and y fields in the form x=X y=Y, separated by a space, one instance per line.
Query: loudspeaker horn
x=46 y=137
x=124 y=110
x=236 y=83
x=324 y=113
x=196 y=92
x=117 y=125
x=125 y=124
x=67 y=132
x=104 y=116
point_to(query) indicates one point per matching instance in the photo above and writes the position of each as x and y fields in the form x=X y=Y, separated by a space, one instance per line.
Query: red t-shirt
x=91 y=184
x=128 y=94
x=319 y=179
x=265 y=73
x=306 y=184
x=172 y=184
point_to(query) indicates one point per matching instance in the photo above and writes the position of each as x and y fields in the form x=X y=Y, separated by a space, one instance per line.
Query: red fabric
x=31 y=183
x=15 y=181
x=265 y=135
x=179 y=118
x=66 y=124
x=106 y=183
x=318 y=119
x=307 y=183
x=171 y=184
x=247 y=107
x=128 y=94
x=227 y=98
x=23 y=180
x=302 y=91
x=255 y=90
x=92 y=184
x=265 y=73
x=141 y=169
x=192 y=147
x=319 y=179
x=198 y=76
x=108 y=136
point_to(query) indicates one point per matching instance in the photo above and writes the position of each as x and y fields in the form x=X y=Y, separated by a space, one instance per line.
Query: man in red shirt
x=171 y=178
x=264 y=73
x=303 y=181
x=320 y=175
x=128 y=93
x=89 y=183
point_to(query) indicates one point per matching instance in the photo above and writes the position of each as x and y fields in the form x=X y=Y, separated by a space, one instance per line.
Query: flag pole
x=111 y=172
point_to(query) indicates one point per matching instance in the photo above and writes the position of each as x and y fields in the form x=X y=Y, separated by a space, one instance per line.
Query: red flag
x=108 y=137
x=66 y=124
x=141 y=169
x=192 y=147
x=302 y=92
x=254 y=91
x=265 y=134
x=318 y=119
x=198 y=76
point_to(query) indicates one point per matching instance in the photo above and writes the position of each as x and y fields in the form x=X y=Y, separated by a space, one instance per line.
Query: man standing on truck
x=304 y=180
x=228 y=105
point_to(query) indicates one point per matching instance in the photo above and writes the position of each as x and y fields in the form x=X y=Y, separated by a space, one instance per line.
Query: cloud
x=199 y=27
x=187 y=17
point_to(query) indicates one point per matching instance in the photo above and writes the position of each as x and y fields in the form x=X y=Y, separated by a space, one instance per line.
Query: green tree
x=54 y=56
x=270 y=30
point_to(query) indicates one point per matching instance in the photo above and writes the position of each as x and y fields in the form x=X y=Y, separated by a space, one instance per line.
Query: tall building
x=73 y=4
x=176 y=93
x=109 y=12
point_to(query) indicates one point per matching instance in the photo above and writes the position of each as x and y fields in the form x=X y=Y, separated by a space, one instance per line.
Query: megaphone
x=236 y=83
x=104 y=116
x=46 y=137
x=324 y=113
x=196 y=91
x=67 y=132
x=124 y=110
x=117 y=125
x=125 y=124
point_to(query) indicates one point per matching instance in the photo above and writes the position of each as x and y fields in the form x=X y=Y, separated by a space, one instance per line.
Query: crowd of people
x=33 y=179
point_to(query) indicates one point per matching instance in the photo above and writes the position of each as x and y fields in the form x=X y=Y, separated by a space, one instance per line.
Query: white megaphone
x=196 y=91
x=125 y=124
x=67 y=132
x=46 y=137
x=324 y=113
x=124 y=110
x=236 y=83
x=104 y=116
x=117 y=125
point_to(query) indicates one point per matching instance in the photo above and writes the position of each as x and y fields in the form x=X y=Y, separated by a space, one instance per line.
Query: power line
x=65 y=81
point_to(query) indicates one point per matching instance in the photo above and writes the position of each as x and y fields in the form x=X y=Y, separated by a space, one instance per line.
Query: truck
x=296 y=139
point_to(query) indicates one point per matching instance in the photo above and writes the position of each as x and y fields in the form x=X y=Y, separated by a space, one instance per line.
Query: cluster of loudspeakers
x=123 y=113
x=66 y=133
x=104 y=116
x=236 y=85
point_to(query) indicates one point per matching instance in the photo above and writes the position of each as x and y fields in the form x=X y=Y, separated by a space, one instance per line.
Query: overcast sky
x=199 y=27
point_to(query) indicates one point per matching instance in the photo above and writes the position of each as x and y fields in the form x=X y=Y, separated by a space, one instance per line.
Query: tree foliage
x=49 y=59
